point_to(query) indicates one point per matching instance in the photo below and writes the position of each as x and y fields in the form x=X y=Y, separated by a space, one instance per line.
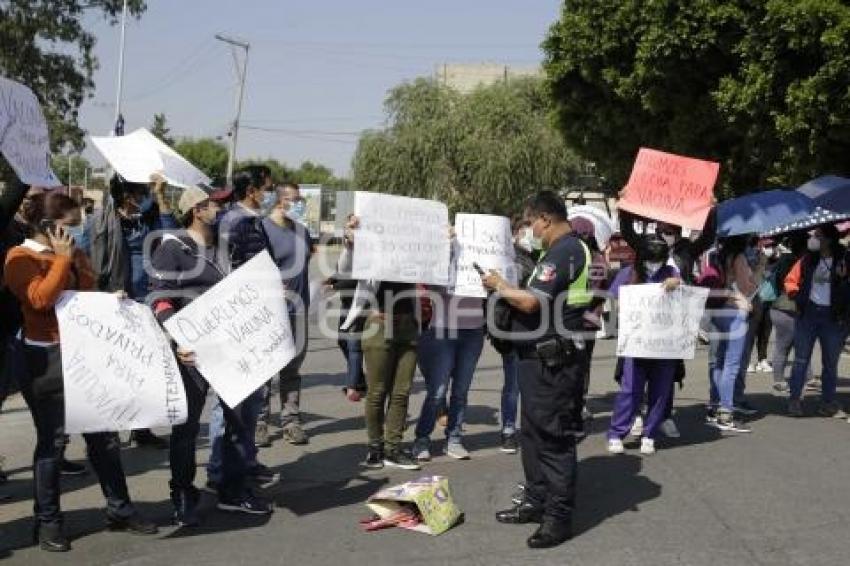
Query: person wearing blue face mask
x=291 y=248
x=131 y=212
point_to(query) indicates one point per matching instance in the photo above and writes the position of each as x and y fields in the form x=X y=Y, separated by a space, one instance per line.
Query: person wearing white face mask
x=760 y=325
x=819 y=284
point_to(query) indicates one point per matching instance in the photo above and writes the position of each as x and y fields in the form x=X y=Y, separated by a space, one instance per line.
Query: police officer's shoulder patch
x=546 y=272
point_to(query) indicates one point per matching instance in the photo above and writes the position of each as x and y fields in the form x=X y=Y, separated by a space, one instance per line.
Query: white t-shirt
x=821 y=283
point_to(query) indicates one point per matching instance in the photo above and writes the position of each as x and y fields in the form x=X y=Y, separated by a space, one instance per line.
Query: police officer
x=546 y=325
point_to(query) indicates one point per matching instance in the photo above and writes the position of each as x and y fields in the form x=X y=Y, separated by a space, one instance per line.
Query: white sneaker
x=647 y=446
x=456 y=450
x=669 y=429
x=422 y=449
x=615 y=446
x=637 y=427
x=764 y=367
x=751 y=368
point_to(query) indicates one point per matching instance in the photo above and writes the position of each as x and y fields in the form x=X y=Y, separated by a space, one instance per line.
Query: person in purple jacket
x=640 y=374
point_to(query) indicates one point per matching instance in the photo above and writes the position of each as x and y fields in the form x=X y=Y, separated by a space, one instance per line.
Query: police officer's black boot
x=550 y=534
x=521 y=514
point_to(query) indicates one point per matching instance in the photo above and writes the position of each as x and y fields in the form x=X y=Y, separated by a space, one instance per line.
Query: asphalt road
x=777 y=496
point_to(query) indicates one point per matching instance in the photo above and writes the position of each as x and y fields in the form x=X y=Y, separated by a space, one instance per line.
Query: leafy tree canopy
x=762 y=87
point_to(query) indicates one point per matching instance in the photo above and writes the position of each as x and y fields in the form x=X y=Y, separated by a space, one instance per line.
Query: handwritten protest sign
x=485 y=240
x=138 y=155
x=654 y=323
x=24 y=140
x=118 y=366
x=401 y=239
x=431 y=496
x=670 y=188
x=238 y=330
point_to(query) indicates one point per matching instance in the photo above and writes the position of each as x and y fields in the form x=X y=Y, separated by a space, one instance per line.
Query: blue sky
x=318 y=71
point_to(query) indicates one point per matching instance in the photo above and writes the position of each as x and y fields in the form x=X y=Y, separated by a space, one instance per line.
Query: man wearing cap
x=184 y=267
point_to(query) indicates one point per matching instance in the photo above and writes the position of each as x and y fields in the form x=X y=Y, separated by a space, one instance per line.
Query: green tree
x=160 y=129
x=482 y=152
x=207 y=154
x=46 y=47
x=312 y=174
x=762 y=87
x=77 y=166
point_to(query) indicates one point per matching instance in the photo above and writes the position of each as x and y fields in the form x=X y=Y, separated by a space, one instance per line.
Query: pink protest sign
x=671 y=188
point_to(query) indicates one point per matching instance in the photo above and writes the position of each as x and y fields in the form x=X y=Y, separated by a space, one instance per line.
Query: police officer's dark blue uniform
x=551 y=372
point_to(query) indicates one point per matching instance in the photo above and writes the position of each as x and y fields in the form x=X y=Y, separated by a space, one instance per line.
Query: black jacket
x=182 y=272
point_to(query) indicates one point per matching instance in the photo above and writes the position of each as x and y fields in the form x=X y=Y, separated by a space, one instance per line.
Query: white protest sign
x=138 y=155
x=659 y=324
x=487 y=241
x=238 y=329
x=24 y=140
x=401 y=239
x=117 y=364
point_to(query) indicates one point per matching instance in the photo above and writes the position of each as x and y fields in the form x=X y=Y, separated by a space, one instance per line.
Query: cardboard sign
x=117 y=365
x=432 y=497
x=659 y=324
x=401 y=239
x=140 y=154
x=238 y=330
x=670 y=188
x=24 y=139
x=486 y=240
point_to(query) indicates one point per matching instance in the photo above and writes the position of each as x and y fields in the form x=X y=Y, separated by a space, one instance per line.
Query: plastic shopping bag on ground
x=428 y=497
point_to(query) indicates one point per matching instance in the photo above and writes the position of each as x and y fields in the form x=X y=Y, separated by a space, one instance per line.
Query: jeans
x=639 y=375
x=727 y=356
x=289 y=382
x=355 y=378
x=783 y=322
x=233 y=450
x=443 y=358
x=43 y=391
x=389 y=348
x=510 y=391
x=816 y=323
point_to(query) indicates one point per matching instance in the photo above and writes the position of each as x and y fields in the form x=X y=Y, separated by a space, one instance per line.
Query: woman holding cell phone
x=37 y=272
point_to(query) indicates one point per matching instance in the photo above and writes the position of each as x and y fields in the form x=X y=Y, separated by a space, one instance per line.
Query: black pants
x=184 y=440
x=551 y=401
x=42 y=389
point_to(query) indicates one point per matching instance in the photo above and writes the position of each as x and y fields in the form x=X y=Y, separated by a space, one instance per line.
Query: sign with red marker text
x=670 y=188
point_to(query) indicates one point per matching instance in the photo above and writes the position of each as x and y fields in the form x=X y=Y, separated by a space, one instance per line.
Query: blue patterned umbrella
x=819 y=217
x=829 y=192
x=760 y=212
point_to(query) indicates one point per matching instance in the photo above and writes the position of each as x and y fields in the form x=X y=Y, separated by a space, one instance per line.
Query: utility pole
x=234 y=133
x=119 y=119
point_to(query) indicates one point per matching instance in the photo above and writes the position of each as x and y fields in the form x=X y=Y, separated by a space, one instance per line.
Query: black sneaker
x=67 y=468
x=726 y=423
x=399 y=459
x=144 y=438
x=744 y=408
x=135 y=524
x=374 y=458
x=261 y=474
x=509 y=443
x=249 y=504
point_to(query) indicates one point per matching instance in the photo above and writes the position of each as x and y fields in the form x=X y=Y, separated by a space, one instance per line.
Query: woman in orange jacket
x=37 y=272
x=819 y=284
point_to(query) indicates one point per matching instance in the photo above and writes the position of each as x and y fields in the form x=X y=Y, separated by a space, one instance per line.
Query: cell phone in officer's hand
x=478 y=268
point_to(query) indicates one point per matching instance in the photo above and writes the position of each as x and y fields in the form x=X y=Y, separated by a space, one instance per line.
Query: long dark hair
x=732 y=247
x=46 y=206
